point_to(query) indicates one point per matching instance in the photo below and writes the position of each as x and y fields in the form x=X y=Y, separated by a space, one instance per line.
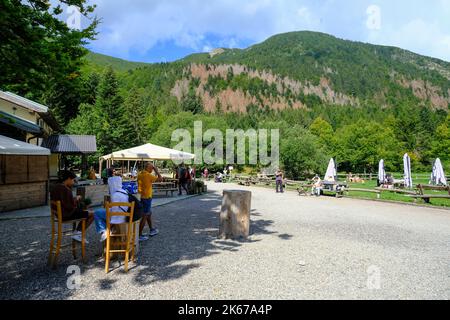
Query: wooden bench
x=266 y=181
x=164 y=187
x=243 y=181
x=427 y=197
x=422 y=187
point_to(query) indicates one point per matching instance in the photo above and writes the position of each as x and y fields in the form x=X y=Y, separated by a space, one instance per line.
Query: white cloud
x=139 y=25
x=132 y=28
x=416 y=35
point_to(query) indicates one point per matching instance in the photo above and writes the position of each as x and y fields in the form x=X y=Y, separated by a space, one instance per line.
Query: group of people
x=221 y=177
x=73 y=208
x=316 y=183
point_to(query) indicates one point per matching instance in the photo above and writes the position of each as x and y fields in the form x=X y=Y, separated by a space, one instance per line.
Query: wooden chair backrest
x=56 y=211
x=110 y=213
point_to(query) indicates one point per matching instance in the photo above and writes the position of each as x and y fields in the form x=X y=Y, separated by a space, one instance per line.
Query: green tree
x=109 y=106
x=192 y=103
x=324 y=131
x=40 y=56
x=441 y=143
x=136 y=117
x=362 y=145
x=89 y=88
x=301 y=153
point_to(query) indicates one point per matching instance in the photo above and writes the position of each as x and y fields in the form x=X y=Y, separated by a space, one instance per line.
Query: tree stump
x=235 y=214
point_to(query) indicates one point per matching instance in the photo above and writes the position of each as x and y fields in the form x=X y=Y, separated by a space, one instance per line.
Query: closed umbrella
x=381 y=172
x=407 y=171
x=331 y=171
x=438 y=175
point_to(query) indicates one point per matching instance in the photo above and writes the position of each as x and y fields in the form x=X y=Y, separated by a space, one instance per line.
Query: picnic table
x=165 y=187
x=335 y=186
x=399 y=184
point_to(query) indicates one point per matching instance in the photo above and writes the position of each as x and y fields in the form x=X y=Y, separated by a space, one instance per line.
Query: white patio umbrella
x=331 y=171
x=438 y=175
x=407 y=171
x=381 y=172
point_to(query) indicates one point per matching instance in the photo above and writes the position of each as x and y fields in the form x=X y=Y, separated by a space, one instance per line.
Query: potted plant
x=199 y=186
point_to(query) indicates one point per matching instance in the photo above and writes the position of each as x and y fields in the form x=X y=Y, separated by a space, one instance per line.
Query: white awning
x=10 y=146
x=381 y=172
x=331 y=174
x=149 y=152
x=438 y=175
x=407 y=171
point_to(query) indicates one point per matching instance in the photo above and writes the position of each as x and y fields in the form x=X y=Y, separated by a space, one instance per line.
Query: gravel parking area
x=299 y=248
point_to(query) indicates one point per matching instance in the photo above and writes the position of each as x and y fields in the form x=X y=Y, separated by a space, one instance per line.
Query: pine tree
x=135 y=116
x=109 y=106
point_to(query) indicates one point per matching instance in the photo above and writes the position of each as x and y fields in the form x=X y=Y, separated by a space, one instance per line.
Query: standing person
x=71 y=207
x=105 y=176
x=206 y=174
x=279 y=181
x=145 y=188
x=182 y=179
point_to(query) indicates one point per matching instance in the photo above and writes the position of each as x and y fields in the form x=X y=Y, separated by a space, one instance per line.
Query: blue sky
x=166 y=30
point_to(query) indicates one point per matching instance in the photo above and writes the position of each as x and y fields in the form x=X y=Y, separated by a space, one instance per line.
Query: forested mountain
x=97 y=62
x=358 y=102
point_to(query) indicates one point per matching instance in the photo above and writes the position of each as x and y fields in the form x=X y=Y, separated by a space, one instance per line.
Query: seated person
x=317 y=185
x=92 y=175
x=71 y=207
x=389 y=179
x=111 y=175
x=117 y=195
x=219 y=177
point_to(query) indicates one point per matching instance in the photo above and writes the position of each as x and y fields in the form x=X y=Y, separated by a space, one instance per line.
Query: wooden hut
x=24 y=174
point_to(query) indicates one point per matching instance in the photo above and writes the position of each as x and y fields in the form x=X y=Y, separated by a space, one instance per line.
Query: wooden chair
x=58 y=232
x=124 y=247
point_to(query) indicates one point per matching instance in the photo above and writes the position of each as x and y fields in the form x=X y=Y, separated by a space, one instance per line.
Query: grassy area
x=386 y=196
x=394 y=196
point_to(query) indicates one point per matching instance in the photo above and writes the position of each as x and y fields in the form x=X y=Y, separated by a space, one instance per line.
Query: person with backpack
x=183 y=179
x=145 y=189
x=118 y=194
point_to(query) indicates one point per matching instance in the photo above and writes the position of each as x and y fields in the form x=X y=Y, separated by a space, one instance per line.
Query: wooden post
x=235 y=214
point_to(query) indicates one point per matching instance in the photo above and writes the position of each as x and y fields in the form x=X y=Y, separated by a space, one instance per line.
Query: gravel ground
x=300 y=248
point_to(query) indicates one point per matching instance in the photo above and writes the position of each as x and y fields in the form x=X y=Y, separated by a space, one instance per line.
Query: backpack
x=183 y=174
x=138 y=207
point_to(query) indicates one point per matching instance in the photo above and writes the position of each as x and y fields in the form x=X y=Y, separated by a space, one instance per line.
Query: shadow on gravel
x=24 y=274
x=189 y=231
x=23 y=263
